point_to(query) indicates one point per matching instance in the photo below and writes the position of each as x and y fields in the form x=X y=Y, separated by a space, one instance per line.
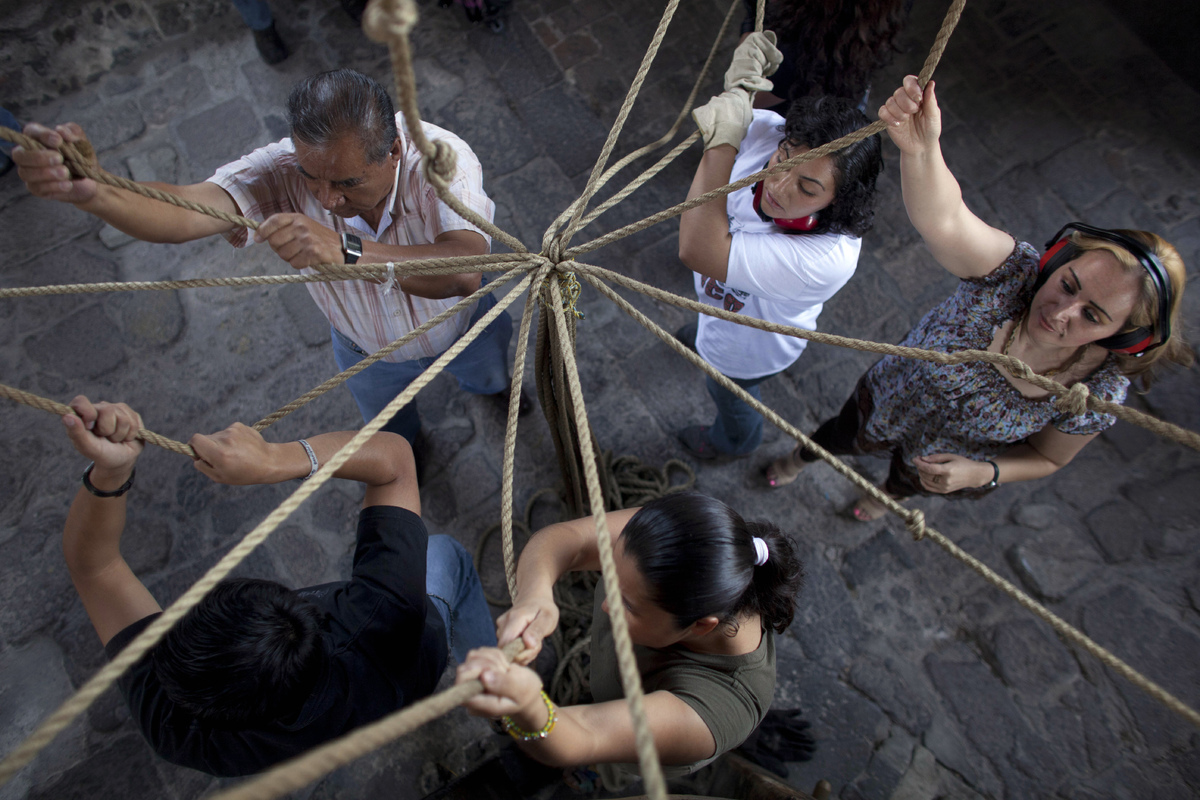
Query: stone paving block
x=927 y=778
x=124 y=769
x=33 y=226
x=991 y=721
x=1119 y=530
x=537 y=193
x=1146 y=636
x=1052 y=568
x=888 y=765
x=271 y=83
x=897 y=686
x=148 y=319
x=86 y=344
x=1024 y=209
x=498 y=137
x=210 y=145
x=827 y=624
x=309 y=323
x=1030 y=659
x=111 y=124
x=843 y=751
x=32 y=681
x=518 y=56
x=572 y=134
x=179 y=93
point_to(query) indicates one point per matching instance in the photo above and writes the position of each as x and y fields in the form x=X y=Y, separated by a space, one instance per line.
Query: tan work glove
x=725 y=118
x=752 y=62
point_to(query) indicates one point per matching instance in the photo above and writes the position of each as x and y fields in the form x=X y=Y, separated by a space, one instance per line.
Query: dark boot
x=270 y=46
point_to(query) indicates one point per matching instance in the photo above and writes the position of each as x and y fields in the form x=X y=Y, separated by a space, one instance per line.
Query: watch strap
x=995 y=476
x=87 y=483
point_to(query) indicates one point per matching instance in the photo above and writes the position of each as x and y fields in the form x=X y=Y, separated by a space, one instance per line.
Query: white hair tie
x=389 y=285
x=760 y=551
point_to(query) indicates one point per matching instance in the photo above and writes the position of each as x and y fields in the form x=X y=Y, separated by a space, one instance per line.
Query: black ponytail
x=697 y=556
x=772 y=593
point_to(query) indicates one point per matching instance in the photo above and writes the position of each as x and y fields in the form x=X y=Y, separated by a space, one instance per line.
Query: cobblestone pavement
x=920 y=680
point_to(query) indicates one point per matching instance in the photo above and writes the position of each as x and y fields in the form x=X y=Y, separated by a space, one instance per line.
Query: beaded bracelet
x=532 y=736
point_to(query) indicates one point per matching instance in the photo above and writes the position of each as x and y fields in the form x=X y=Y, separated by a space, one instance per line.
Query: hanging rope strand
x=631 y=679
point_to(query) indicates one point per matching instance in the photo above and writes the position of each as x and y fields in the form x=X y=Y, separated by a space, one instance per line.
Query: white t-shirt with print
x=774 y=276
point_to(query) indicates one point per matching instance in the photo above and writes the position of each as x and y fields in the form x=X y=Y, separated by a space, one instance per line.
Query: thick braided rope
x=359 y=366
x=1074 y=400
x=914 y=519
x=666 y=137
x=935 y=54
x=631 y=680
x=510 y=434
x=492 y=262
x=302 y=770
x=106 y=676
x=615 y=131
x=760 y=11
x=55 y=407
x=389 y=22
x=81 y=166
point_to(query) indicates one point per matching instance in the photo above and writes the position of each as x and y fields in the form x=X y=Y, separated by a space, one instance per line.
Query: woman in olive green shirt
x=703 y=591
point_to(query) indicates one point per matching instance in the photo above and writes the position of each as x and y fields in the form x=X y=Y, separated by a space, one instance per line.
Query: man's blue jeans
x=453 y=585
x=482 y=368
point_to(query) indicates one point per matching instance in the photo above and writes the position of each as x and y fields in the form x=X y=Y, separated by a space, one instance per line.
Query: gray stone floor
x=920 y=679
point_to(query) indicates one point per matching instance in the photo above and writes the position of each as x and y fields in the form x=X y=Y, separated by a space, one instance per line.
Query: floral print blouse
x=971 y=410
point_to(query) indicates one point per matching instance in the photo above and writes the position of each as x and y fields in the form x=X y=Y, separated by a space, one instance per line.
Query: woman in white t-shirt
x=776 y=250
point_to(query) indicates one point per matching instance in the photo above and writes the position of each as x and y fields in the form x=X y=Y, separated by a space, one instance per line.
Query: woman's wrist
x=110 y=479
x=532 y=718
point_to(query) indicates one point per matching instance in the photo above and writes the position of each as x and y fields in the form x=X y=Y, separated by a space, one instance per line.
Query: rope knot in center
x=439 y=170
x=1074 y=402
x=915 y=522
x=385 y=20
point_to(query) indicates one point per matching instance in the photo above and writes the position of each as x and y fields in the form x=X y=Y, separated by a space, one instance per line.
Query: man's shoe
x=270 y=46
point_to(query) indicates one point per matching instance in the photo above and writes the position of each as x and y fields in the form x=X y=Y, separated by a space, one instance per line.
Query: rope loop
x=441 y=166
x=1074 y=402
x=387 y=20
x=914 y=520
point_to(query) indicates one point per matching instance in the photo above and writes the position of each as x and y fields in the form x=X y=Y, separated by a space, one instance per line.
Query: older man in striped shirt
x=346 y=186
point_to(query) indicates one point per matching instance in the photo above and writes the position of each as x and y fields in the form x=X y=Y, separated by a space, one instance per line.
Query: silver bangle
x=312 y=459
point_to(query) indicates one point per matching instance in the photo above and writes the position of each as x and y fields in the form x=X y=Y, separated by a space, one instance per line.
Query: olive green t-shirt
x=730 y=693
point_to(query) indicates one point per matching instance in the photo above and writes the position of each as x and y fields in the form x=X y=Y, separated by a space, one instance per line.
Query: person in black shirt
x=258 y=673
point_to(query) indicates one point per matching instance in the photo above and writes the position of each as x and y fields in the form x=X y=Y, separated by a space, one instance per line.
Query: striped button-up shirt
x=268 y=182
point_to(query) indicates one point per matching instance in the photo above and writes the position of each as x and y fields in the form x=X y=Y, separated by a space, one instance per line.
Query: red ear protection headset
x=1139 y=341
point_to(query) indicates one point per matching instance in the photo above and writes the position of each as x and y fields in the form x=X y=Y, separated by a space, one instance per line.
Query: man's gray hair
x=331 y=105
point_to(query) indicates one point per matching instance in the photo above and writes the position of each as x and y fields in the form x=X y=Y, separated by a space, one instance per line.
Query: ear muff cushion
x=1128 y=342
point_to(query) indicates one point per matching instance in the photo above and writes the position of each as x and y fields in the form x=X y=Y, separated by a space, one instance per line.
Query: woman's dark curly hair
x=814 y=121
x=836 y=44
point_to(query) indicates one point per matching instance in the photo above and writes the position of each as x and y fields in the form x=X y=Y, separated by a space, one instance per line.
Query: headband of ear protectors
x=1139 y=341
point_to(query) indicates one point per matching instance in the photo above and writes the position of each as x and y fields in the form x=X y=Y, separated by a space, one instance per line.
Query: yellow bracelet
x=532 y=736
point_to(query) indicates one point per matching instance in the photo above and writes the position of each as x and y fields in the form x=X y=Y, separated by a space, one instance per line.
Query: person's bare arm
x=599 y=733
x=551 y=553
x=960 y=241
x=239 y=455
x=1042 y=454
x=141 y=217
x=704 y=237
x=111 y=594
